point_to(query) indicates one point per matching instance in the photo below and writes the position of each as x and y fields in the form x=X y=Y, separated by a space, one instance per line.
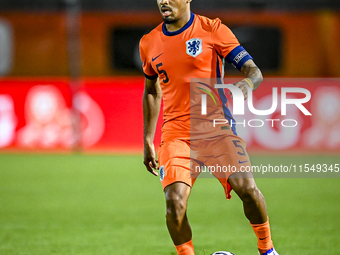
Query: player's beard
x=168 y=20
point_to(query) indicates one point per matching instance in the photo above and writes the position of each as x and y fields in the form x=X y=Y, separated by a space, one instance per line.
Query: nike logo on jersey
x=153 y=59
x=241 y=162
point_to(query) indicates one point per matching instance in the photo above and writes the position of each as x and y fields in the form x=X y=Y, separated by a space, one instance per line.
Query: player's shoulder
x=152 y=35
x=208 y=23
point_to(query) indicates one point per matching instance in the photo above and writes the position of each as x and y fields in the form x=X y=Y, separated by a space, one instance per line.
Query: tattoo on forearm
x=254 y=74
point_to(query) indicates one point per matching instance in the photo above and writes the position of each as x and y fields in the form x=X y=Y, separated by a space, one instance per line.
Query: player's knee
x=176 y=209
x=248 y=193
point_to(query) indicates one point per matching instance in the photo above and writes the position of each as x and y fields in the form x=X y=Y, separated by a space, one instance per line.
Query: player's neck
x=172 y=27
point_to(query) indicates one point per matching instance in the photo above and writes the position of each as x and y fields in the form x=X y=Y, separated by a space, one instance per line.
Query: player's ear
x=188 y=1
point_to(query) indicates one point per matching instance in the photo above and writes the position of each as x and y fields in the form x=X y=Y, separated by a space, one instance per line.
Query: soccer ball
x=223 y=253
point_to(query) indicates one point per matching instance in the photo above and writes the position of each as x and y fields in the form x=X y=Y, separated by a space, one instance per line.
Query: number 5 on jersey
x=166 y=80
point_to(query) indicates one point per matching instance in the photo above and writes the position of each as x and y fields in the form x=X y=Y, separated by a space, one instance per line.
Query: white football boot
x=270 y=252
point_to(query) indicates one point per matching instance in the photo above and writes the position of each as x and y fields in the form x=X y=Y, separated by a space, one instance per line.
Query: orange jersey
x=195 y=51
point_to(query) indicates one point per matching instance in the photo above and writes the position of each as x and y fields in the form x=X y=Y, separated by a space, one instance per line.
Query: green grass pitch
x=106 y=204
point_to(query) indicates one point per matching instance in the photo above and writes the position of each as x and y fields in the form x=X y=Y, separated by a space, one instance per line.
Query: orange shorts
x=184 y=160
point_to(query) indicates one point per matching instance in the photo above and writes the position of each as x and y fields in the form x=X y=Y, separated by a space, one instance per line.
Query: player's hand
x=150 y=161
x=242 y=85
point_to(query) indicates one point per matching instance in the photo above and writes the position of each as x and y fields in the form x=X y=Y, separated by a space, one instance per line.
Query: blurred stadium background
x=71 y=174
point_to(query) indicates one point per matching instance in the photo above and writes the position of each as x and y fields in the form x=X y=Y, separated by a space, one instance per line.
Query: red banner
x=106 y=115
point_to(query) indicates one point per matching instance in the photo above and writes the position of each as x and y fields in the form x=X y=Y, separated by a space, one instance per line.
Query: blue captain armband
x=237 y=57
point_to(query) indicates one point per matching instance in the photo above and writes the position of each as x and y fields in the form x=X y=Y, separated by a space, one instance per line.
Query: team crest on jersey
x=161 y=173
x=194 y=47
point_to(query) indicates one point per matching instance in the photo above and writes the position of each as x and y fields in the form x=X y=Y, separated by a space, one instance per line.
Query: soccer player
x=188 y=46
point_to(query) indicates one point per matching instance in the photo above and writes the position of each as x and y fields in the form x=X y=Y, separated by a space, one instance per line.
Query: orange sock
x=185 y=249
x=264 y=239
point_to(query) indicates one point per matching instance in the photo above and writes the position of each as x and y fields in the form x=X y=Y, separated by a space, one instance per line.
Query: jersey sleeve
x=227 y=45
x=147 y=68
x=224 y=40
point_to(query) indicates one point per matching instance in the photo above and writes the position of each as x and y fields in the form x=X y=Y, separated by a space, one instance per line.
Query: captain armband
x=237 y=57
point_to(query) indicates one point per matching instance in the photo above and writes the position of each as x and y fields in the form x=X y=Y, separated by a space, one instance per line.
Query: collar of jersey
x=166 y=32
